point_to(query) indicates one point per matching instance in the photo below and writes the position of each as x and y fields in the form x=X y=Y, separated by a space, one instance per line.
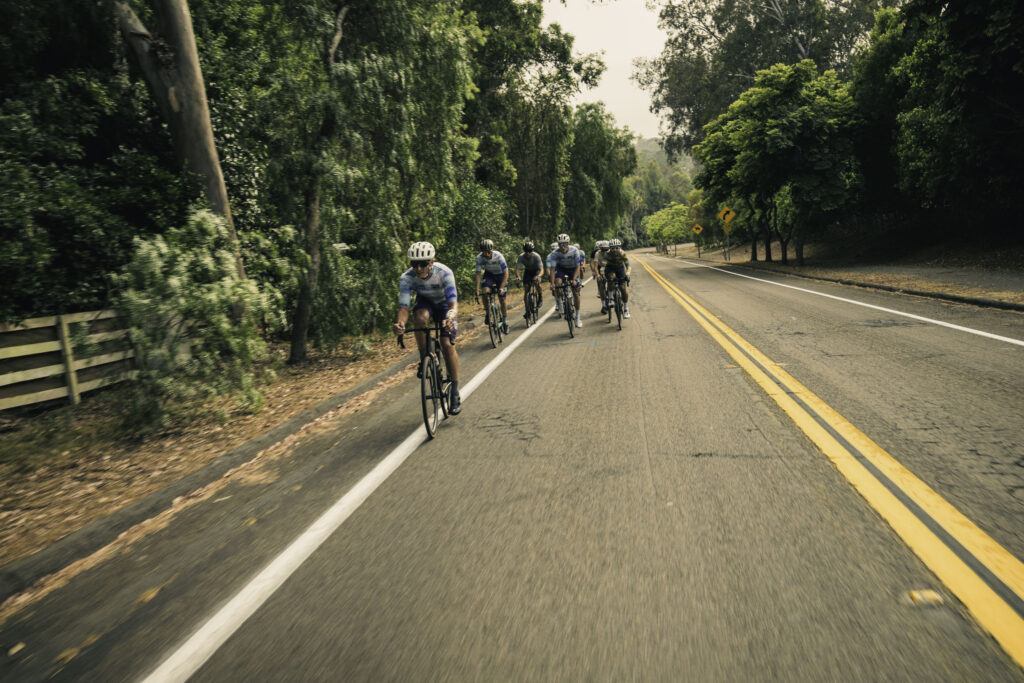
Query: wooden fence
x=62 y=356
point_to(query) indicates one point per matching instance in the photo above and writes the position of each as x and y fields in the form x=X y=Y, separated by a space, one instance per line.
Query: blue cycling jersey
x=438 y=287
x=495 y=265
x=566 y=261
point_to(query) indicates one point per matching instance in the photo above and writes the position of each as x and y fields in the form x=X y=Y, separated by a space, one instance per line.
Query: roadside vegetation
x=263 y=200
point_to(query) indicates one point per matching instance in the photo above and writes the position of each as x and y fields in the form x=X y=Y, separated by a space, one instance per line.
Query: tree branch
x=336 y=40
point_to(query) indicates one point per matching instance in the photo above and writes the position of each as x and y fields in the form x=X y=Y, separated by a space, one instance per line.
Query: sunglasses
x=420 y=264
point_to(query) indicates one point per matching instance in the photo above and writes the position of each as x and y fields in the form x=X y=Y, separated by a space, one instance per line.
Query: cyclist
x=492 y=270
x=616 y=267
x=436 y=296
x=597 y=268
x=567 y=261
x=533 y=270
x=551 y=274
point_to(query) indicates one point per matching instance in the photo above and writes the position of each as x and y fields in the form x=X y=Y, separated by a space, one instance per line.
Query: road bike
x=435 y=382
x=492 y=318
x=615 y=299
x=564 y=293
x=531 y=301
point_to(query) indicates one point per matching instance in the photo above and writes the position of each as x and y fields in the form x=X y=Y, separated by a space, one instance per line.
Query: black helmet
x=486 y=245
x=527 y=246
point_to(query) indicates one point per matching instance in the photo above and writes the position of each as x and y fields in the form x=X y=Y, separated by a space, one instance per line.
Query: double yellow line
x=987 y=578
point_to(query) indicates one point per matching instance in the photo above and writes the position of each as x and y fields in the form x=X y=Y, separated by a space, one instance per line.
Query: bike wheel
x=495 y=313
x=618 y=307
x=492 y=327
x=430 y=394
x=607 y=308
x=570 y=315
x=531 y=308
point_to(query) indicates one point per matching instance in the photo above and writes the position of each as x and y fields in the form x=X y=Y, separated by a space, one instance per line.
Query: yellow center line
x=822 y=425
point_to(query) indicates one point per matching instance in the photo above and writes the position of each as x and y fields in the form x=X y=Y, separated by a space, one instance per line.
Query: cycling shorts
x=437 y=312
x=618 y=271
x=492 y=281
x=528 y=275
x=562 y=274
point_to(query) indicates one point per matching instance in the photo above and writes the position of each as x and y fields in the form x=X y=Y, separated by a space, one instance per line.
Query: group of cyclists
x=437 y=297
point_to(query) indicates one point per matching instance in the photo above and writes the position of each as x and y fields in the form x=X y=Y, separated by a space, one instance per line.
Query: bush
x=182 y=290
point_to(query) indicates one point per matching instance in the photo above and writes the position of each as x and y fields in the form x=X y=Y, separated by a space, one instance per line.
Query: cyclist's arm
x=478 y=274
x=402 y=319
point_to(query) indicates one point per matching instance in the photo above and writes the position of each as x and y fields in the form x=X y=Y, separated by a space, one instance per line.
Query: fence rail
x=38 y=357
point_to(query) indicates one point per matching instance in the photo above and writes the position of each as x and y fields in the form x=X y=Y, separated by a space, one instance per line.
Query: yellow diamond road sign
x=697 y=230
x=726 y=214
x=727 y=227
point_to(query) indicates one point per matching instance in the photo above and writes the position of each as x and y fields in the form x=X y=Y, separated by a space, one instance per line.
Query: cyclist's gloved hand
x=449 y=321
x=399 y=328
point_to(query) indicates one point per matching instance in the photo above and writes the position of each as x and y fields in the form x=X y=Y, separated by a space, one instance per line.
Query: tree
x=170 y=64
x=715 y=47
x=600 y=158
x=791 y=133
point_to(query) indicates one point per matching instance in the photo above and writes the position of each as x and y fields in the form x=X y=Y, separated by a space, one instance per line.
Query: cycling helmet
x=576 y=245
x=603 y=244
x=486 y=245
x=563 y=239
x=421 y=251
x=554 y=245
x=527 y=246
x=615 y=243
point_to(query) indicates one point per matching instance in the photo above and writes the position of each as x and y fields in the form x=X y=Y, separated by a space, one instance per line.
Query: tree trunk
x=799 y=246
x=170 y=64
x=309 y=283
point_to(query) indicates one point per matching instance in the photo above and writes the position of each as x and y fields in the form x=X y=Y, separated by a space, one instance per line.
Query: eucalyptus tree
x=715 y=47
x=366 y=140
x=85 y=165
x=600 y=159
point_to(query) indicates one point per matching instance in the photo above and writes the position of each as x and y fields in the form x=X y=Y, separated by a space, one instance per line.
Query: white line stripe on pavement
x=186 y=659
x=1008 y=340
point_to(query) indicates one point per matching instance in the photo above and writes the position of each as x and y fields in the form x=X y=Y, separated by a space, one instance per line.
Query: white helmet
x=562 y=239
x=576 y=245
x=421 y=251
x=603 y=244
x=615 y=243
x=554 y=245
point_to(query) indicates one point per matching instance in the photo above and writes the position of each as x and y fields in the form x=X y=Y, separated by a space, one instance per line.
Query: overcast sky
x=624 y=30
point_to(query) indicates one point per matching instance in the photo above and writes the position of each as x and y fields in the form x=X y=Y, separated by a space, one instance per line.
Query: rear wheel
x=430 y=393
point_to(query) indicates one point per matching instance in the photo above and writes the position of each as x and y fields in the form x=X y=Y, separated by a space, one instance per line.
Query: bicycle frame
x=435 y=382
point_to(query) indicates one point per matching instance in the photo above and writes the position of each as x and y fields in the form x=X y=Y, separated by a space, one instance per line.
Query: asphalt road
x=621 y=505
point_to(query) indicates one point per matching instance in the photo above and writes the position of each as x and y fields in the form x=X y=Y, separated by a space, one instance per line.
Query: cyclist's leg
x=485 y=297
x=421 y=317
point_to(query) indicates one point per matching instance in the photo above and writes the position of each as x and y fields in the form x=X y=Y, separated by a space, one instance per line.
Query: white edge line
x=191 y=654
x=1009 y=340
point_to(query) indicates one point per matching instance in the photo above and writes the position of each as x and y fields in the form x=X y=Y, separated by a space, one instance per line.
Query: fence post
x=69 y=360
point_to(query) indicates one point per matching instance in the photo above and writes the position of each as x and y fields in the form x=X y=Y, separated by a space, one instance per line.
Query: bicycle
x=435 y=382
x=568 y=308
x=531 y=302
x=492 y=316
x=616 y=299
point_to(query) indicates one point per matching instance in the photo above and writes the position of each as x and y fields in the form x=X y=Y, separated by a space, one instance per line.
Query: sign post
x=697 y=229
x=726 y=215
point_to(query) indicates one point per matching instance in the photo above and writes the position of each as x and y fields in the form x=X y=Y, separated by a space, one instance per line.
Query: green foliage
x=671 y=225
x=716 y=47
x=792 y=132
x=600 y=158
x=179 y=290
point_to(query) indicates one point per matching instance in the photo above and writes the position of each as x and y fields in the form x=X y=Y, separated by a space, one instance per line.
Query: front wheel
x=570 y=315
x=430 y=393
x=618 y=307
